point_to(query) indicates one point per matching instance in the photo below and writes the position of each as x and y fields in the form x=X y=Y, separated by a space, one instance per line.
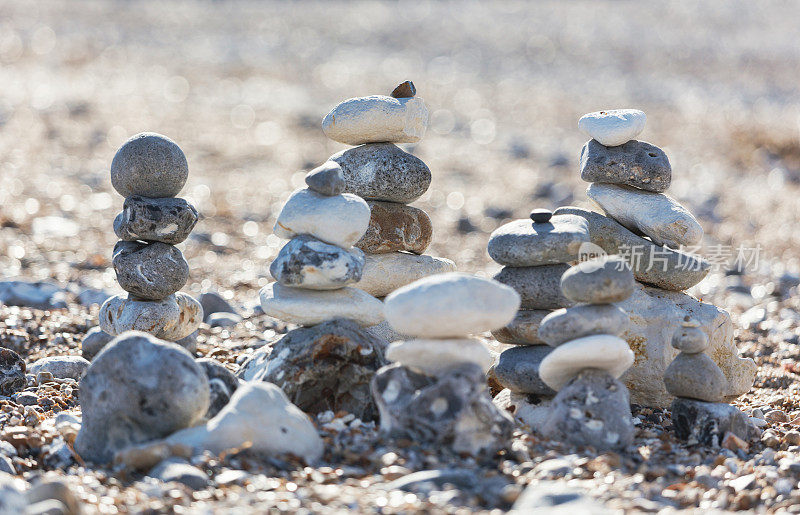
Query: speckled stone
x=326 y=179
x=600 y=280
x=12 y=372
x=172 y=318
x=518 y=370
x=149 y=271
x=568 y=324
x=524 y=329
x=306 y=262
x=636 y=163
x=690 y=339
x=695 y=376
x=168 y=220
x=396 y=227
x=382 y=171
x=707 y=423
x=538 y=286
x=526 y=243
x=150 y=165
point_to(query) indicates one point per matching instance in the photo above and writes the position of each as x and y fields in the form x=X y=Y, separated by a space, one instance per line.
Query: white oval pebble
x=451 y=305
x=377 y=119
x=384 y=273
x=434 y=357
x=311 y=307
x=613 y=127
x=600 y=351
x=339 y=220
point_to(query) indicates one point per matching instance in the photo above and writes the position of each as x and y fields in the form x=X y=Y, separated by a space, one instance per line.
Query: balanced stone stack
x=698 y=413
x=436 y=391
x=149 y=170
x=535 y=253
x=389 y=179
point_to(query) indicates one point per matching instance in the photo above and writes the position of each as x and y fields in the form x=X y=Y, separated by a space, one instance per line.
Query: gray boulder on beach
x=149 y=271
x=168 y=220
x=635 y=163
x=149 y=165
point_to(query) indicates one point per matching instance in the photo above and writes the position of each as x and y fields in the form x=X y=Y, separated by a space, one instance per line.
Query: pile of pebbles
x=149 y=170
x=435 y=392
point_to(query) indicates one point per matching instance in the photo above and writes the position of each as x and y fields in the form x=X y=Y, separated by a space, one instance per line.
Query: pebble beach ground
x=243 y=86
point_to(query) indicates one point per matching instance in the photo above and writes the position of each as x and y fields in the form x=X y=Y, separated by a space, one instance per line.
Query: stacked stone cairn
x=149 y=170
x=389 y=179
x=435 y=392
x=698 y=413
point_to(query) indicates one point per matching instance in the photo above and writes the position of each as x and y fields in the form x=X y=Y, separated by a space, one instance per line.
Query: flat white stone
x=655 y=215
x=311 y=307
x=377 y=119
x=339 y=220
x=451 y=305
x=434 y=357
x=613 y=127
x=260 y=415
x=384 y=273
x=599 y=351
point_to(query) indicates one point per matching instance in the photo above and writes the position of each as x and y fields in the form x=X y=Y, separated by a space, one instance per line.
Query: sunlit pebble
x=42 y=96
x=220 y=239
x=31 y=206
x=274 y=241
x=242 y=116
x=264 y=252
x=67 y=203
x=455 y=200
x=176 y=89
x=43 y=41
x=16 y=252
x=268 y=133
x=250 y=228
x=482 y=131
x=210 y=257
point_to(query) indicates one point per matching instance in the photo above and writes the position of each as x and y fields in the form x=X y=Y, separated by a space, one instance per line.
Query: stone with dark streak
x=149 y=271
x=306 y=262
x=396 y=227
x=168 y=220
x=706 y=423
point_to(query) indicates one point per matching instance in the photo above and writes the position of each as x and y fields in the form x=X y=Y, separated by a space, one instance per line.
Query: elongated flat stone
x=339 y=220
x=306 y=262
x=518 y=370
x=149 y=271
x=394 y=227
x=538 y=286
x=526 y=243
x=636 y=163
x=382 y=171
x=567 y=324
x=655 y=215
x=435 y=357
x=599 y=280
x=601 y=351
x=384 y=273
x=660 y=266
x=524 y=329
x=613 y=127
x=376 y=119
x=172 y=318
x=168 y=220
x=326 y=179
x=310 y=307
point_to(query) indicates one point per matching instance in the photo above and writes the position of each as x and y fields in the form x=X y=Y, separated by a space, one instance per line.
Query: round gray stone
x=150 y=165
x=168 y=220
x=564 y=325
x=525 y=243
x=635 y=163
x=94 y=341
x=223 y=319
x=538 y=286
x=381 y=171
x=326 y=179
x=138 y=389
x=518 y=370
x=62 y=367
x=213 y=302
x=221 y=383
x=149 y=271
x=600 y=280
x=524 y=329
x=306 y=262
x=691 y=340
x=695 y=376
x=180 y=471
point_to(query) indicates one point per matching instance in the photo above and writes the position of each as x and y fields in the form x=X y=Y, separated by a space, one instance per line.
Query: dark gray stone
x=62 y=367
x=223 y=319
x=538 y=286
x=213 y=302
x=518 y=370
x=221 y=382
x=326 y=179
x=180 y=471
x=306 y=262
x=32 y=294
x=137 y=389
x=541 y=216
x=592 y=409
x=706 y=423
x=150 y=165
x=149 y=271
x=524 y=329
x=404 y=90
x=7 y=466
x=168 y=220
x=454 y=409
x=12 y=372
x=525 y=243
x=695 y=376
x=635 y=163
x=690 y=339
x=564 y=325
x=325 y=367
x=188 y=342
x=381 y=171
x=600 y=280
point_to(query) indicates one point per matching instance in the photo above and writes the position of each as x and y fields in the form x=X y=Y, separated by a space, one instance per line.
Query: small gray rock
x=26 y=398
x=150 y=165
x=454 y=409
x=635 y=163
x=149 y=271
x=695 y=376
x=223 y=319
x=306 y=262
x=518 y=370
x=168 y=220
x=592 y=409
x=706 y=423
x=666 y=268
x=524 y=329
x=189 y=343
x=326 y=179
x=538 y=286
x=404 y=90
x=381 y=171
x=7 y=466
x=213 y=302
x=526 y=243
x=49 y=489
x=138 y=389
x=62 y=367
x=557 y=498
x=564 y=325
x=221 y=382
x=690 y=340
x=93 y=342
x=32 y=294
x=89 y=296
x=600 y=280
x=12 y=372
x=180 y=471
x=541 y=215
